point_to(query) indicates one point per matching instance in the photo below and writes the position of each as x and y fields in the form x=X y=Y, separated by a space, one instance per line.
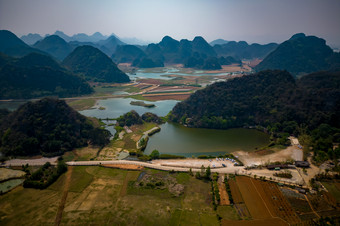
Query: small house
x=303 y=164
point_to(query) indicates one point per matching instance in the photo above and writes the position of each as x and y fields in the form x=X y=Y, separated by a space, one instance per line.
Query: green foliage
x=208 y=173
x=301 y=55
x=151 y=117
x=168 y=156
x=211 y=63
x=242 y=50
x=55 y=46
x=231 y=200
x=94 y=65
x=129 y=119
x=11 y=45
x=197 y=53
x=127 y=54
x=154 y=154
x=272 y=99
x=45 y=176
x=37 y=75
x=147 y=63
x=285 y=174
x=48 y=127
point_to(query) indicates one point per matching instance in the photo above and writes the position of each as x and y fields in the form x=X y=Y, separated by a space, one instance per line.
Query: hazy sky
x=250 y=20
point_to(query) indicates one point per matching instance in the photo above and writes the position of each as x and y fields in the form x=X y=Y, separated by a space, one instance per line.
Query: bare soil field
x=167 y=97
x=6 y=174
x=235 y=192
x=124 y=166
x=276 y=202
x=255 y=203
x=262 y=222
x=223 y=194
x=251 y=158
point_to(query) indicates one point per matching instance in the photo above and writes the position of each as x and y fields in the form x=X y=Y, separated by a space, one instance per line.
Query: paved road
x=168 y=166
x=240 y=170
x=31 y=162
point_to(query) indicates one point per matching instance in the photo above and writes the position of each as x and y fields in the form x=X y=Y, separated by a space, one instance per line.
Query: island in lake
x=143 y=104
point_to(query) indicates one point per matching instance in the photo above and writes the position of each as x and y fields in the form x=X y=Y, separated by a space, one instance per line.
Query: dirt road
x=64 y=197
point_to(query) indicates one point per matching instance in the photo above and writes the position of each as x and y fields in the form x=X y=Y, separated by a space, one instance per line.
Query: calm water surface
x=179 y=140
x=116 y=107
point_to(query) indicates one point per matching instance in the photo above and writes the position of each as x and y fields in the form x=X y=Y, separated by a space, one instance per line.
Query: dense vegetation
x=195 y=54
x=37 y=75
x=11 y=45
x=300 y=55
x=94 y=65
x=274 y=100
x=168 y=50
x=242 y=50
x=45 y=175
x=132 y=118
x=127 y=53
x=48 y=127
x=55 y=46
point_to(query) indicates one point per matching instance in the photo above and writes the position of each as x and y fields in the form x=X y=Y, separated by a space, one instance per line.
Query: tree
x=154 y=154
x=198 y=175
x=215 y=176
x=190 y=172
x=202 y=170
x=208 y=173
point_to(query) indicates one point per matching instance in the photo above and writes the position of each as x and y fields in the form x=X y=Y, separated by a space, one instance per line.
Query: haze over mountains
x=35 y=73
x=96 y=61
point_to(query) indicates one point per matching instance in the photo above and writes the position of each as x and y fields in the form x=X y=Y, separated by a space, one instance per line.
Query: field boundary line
x=312 y=207
x=265 y=202
x=64 y=196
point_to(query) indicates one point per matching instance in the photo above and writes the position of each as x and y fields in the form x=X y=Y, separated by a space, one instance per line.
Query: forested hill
x=94 y=65
x=11 y=45
x=37 y=75
x=265 y=98
x=47 y=127
x=301 y=54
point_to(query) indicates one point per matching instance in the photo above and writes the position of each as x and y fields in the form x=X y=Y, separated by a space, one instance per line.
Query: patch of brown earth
x=124 y=166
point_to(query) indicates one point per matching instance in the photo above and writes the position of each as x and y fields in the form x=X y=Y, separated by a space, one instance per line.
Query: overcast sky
x=260 y=21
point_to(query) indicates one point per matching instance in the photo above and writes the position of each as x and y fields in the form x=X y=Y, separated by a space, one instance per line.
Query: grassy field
x=81 y=104
x=333 y=189
x=108 y=89
x=106 y=196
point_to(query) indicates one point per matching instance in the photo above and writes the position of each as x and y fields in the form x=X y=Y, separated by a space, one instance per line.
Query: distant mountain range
x=242 y=50
x=218 y=42
x=34 y=72
x=31 y=39
x=300 y=55
x=196 y=53
x=55 y=46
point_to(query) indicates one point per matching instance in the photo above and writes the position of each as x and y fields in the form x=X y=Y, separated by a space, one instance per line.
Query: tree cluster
x=300 y=55
x=37 y=75
x=48 y=127
x=132 y=117
x=94 y=65
x=273 y=100
x=45 y=176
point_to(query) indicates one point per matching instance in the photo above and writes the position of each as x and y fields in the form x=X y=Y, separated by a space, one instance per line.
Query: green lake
x=179 y=140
